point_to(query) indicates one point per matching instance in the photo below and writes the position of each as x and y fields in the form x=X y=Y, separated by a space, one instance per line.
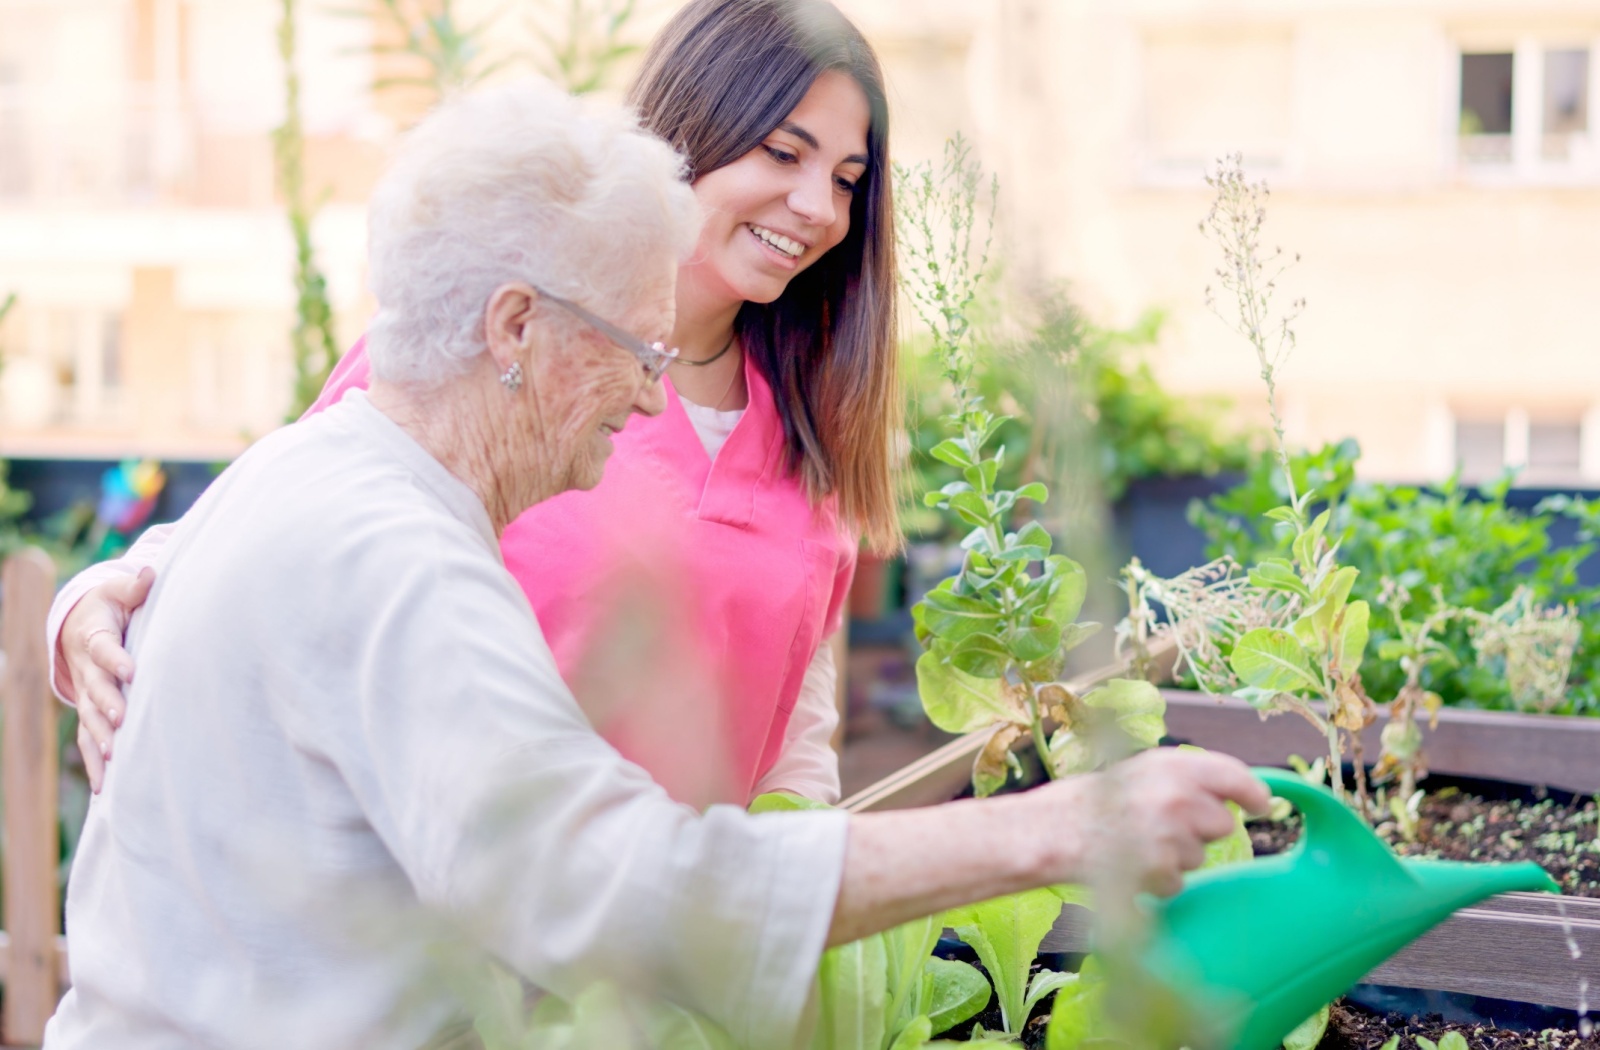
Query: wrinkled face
x=586 y=386
x=777 y=209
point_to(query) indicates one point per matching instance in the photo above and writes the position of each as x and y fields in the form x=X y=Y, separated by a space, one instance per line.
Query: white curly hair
x=522 y=182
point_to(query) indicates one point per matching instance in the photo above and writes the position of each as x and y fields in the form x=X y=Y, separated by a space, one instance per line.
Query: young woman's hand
x=97 y=666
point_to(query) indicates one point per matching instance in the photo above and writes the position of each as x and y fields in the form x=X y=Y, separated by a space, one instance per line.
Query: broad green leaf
x=1275 y=574
x=1138 y=709
x=1126 y=696
x=1078 y=1016
x=982 y=655
x=851 y=993
x=913 y=1036
x=1283 y=514
x=954 y=617
x=960 y=703
x=953 y=992
x=672 y=1027
x=1330 y=596
x=1035 y=491
x=1269 y=658
x=1233 y=848
x=981 y=475
x=1260 y=699
x=1352 y=638
x=971 y=507
x=783 y=802
x=1075 y=634
x=906 y=948
x=1392 y=1043
x=1070 y=584
x=1044 y=982
x=600 y=1018
x=1035 y=642
x=1452 y=1041
x=1072 y=893
x=953 y=452
x=1005 y=932
x=1031 y=544
x=1073 y=753
x=1308 y=1033
x=1426 y=1044
x=919 y=624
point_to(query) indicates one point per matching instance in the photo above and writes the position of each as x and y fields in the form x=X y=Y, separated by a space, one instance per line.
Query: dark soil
x=1350 y=1027
x=1459 y=821
x=1560 y=836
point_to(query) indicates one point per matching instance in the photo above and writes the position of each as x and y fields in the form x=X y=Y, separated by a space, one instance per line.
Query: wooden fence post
x=28 y=775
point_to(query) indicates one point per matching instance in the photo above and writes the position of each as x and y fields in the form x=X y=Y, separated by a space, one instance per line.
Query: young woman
x=770 y=464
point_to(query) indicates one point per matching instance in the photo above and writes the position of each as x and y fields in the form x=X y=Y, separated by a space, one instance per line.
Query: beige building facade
x=1433 y=161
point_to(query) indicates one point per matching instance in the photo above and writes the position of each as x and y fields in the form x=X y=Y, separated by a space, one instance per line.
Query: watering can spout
x=1269 y=942
x=1455 y=886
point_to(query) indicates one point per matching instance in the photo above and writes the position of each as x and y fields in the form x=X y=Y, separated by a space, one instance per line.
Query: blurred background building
x=1434 y=161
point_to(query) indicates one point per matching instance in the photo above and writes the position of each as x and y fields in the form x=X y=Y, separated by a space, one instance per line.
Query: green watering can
x=1257 y=948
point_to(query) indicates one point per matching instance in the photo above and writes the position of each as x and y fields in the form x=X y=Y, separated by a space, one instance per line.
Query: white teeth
x=793 y=249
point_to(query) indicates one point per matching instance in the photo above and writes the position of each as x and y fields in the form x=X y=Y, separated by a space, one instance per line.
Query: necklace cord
x=706 y=361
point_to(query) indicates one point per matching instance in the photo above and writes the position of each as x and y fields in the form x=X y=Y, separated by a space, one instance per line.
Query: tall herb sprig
x=312 y=337
x=1311 y=638
x=996 y=633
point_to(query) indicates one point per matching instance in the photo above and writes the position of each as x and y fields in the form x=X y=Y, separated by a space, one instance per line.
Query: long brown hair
x=715 y=82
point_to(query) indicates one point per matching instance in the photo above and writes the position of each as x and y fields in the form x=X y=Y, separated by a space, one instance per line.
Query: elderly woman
x=361 y=739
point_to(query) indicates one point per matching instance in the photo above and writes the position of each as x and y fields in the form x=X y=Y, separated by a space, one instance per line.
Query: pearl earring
x=512 y=379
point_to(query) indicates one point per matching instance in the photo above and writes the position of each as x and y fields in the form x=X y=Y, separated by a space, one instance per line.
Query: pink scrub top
x=683 y=598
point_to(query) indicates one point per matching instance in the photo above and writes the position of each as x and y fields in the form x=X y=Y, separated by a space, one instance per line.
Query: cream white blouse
x=348 y=755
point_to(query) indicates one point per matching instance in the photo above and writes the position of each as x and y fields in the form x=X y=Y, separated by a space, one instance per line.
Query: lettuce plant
x=887 y=991
x=996 y=634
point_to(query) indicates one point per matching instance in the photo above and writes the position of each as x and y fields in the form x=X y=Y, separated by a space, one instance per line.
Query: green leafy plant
x=996 y=633
x=1005 y=932
x=1450 y=545
x=1073 y=395
x=886 y=991
x=583 y=54
x=450 y=55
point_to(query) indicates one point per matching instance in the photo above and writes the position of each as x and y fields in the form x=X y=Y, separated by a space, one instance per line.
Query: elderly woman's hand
x=1145 y=820
x=97 y=666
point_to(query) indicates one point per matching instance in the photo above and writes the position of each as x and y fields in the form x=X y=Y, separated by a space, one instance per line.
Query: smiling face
x=780 y=207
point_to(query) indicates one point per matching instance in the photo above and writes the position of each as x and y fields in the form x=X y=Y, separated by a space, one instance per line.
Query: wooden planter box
x=1513 y=946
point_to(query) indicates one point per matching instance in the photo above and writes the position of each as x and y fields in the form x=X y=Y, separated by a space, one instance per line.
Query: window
x=1545 y=449
x=1525 y=110
x=1555 y=450
x=1566 y=102
x=1486 y=96
x=1480 y=449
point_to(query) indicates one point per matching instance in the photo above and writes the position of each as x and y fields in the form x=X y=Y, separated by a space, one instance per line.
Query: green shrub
x=1452 y=542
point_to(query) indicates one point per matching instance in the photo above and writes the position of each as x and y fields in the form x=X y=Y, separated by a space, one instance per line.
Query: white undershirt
x=712 y=426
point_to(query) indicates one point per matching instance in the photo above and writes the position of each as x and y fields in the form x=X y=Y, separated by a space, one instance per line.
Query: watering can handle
x=1330 y=825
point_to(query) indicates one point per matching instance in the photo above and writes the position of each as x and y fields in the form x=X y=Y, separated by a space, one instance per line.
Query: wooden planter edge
x=1514 y=946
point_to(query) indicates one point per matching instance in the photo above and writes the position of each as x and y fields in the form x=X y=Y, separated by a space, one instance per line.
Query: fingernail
x=125 y=672
x=105 y=751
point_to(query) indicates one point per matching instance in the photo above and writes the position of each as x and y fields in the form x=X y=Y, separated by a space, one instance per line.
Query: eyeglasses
x=655 y=357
